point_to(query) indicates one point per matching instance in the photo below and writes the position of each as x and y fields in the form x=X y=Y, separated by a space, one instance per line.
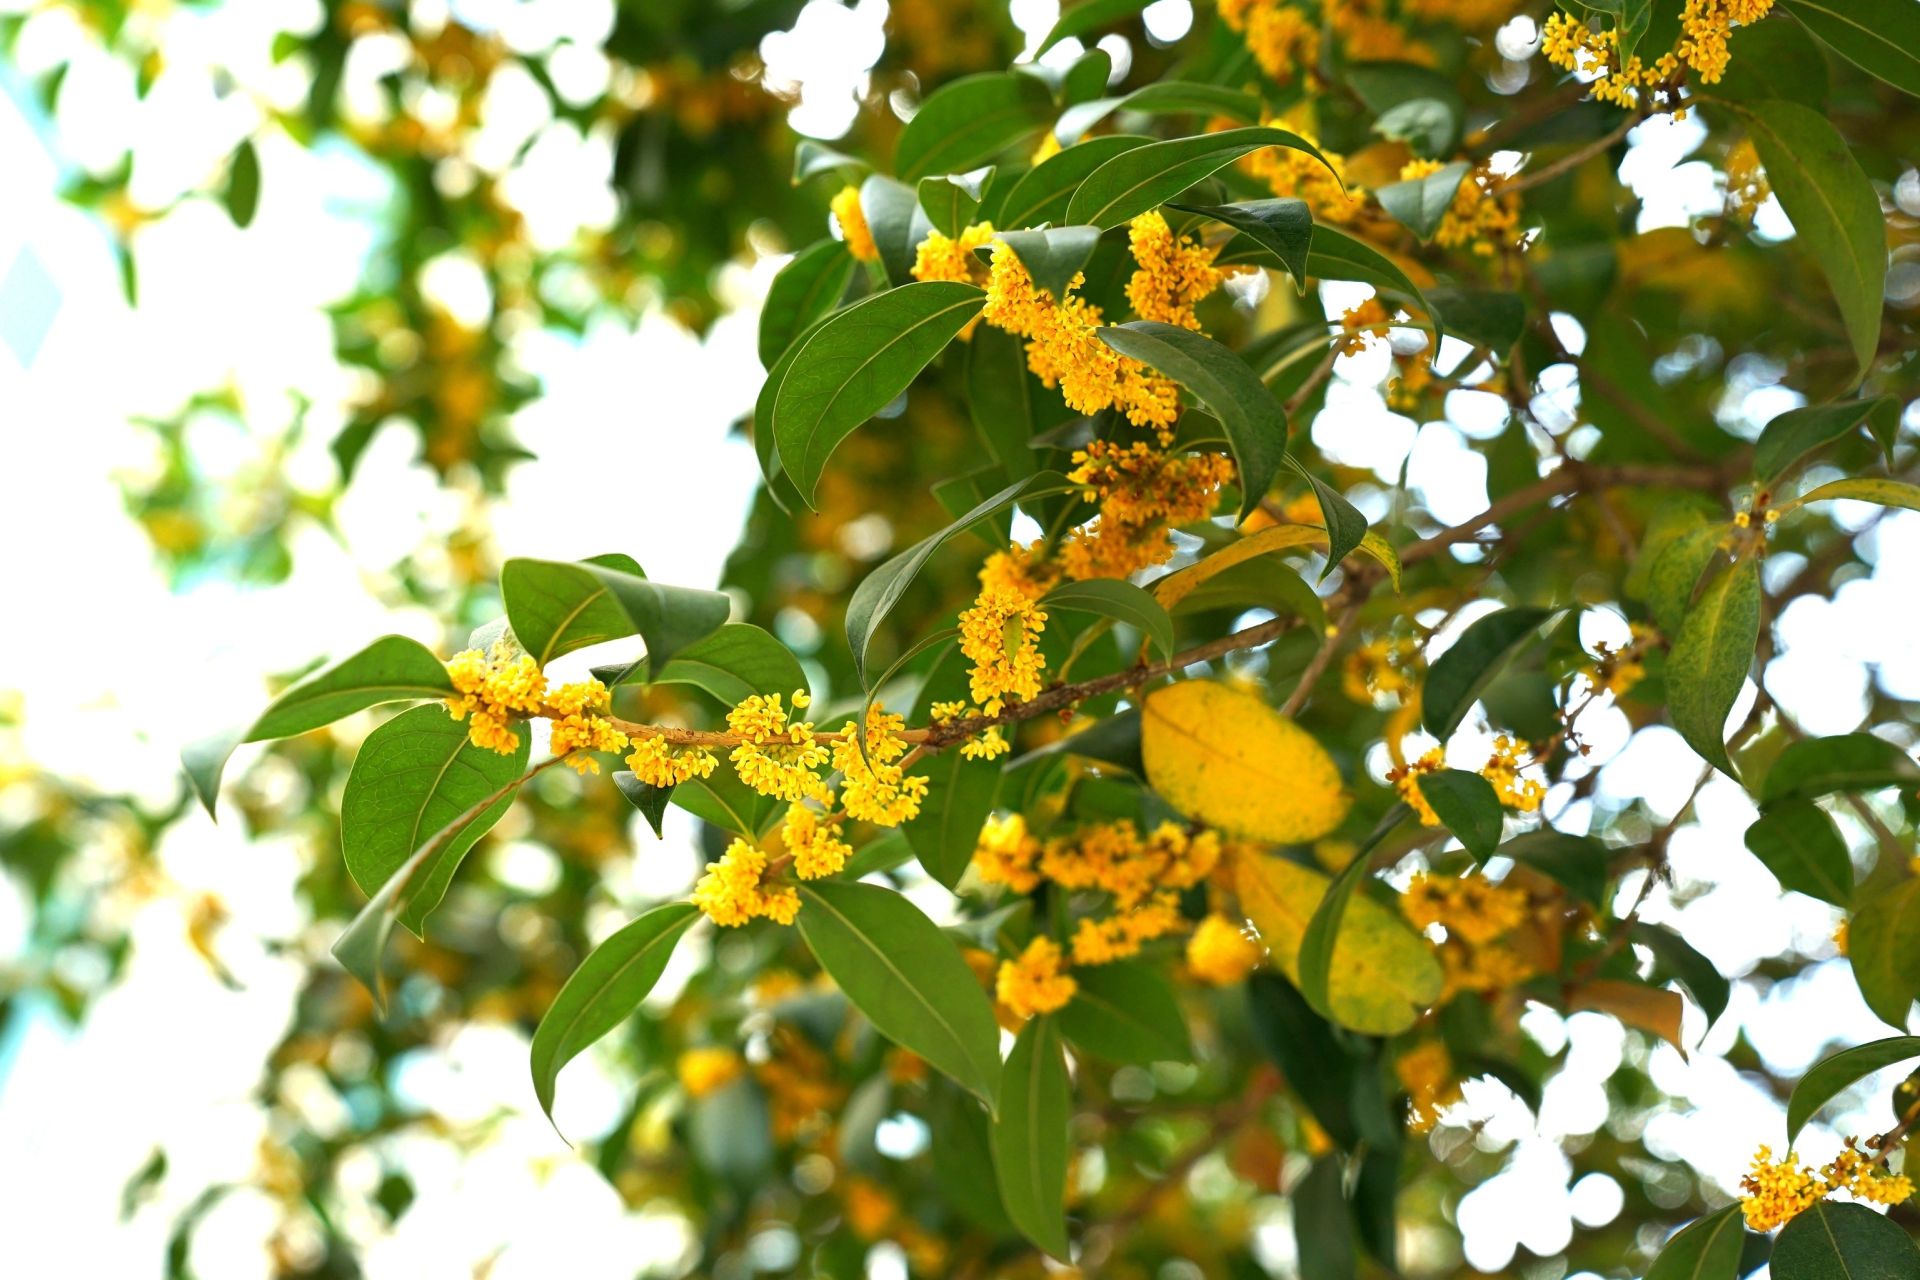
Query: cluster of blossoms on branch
x=1777 y=1191
x=1706 y=25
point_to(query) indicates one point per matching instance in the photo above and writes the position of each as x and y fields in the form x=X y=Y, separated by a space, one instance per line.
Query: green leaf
x=1420 y=203
x=1313 y=1057
x=906 y=976
x=811 y=158
x=1117 y=599
x=723 y=801
x=806 y=289
x=650 y=800
x=557 y=606
x=604 y=991
x=1674 y=571
x=1710 y=659
x=1775 y=60
x=1163 y=98
x=391 y=669
x=962 y=1156
x=1043 y=192
x=1792 y=435
x=1456 y=678
x=1431 y=126
x=1412 y=102
x=1683 y=963
x=1008 y=404
x=960 y=795
x=1824 y=1081
x=880 y=590
x=1845 y=762
x=363 y=943
x=1883 y=942
x=1798 y=842
x=734 y=663
x=1087 y=78
x=969 y=121
x=414 y=775
x=1335 y=255
x=855 y=363
x=1467 y=804
x=1113 y=740
x=1886 y=493
x=1833 y=206
x=1346 y=528
x=1881 y=37
x=1255 y=421
x=1491 y=318
x=1090 y=16
x=1053 y=256
x=951 y=201
x=1323 y=1223
x=243 y=184
x=1577 y=862
x=1829 y=1241
x=1138 y=180
x=1283 y=227
x=1030 y=1136
x=1126 y=1012
x=1706 y=1250
x=893 y=215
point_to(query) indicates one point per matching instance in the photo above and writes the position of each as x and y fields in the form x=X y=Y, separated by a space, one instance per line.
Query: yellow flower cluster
x=1572 y=45
x=1006 y=854
x=1472 y=15
x=1618 y=670
x=1143 y=492
x=988 y=744
x=780 y=756
x=1281 y=37
x=1295 y=174
x=1705 y=27
x=657 y=764
x=1367 y=34
x=1361 y=324
x=1776 y=1192
x=942 y=257
x=1426 y=1073
x=853 y=225
x=1411 y=377
x=1034 y=984
x=1747 y=185
x=1000 y=633
x=495 y=690
x=1174 y=274
x=1477 y=914
x=708 y=1069
x=1064 y=350
x=731 y=892
x=1482 y=214
x=1123 y=933
x=874 y=787
x=1502 y=769
x=1406 y=781
x=815 y=843
x=1385 y=667
x=1221 y=953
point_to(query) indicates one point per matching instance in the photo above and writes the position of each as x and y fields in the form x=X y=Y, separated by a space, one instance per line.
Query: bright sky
x=119 y=670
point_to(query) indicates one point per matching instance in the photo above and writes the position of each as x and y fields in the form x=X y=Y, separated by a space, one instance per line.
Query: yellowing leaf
x=1652 y=1009
x=1226 y=758
x=1384 y=975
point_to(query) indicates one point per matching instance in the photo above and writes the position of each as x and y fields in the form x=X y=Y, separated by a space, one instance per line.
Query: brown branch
x=1569 y=162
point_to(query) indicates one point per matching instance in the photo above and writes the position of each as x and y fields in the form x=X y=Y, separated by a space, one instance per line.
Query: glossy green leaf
x=1335 y=255
x=414 y=775
x=1881 y=37
x=1845 y=762
x=650 y=800
x=894 y=217
x=1030 y=1121
x=1164 y=98
x=1678 y=959
x=811 y=159
x=734 y=663
x=1491 y=318
x=1428 y=125
x=961 y=1152
x=806 y=289
x=1411 y=102
x=1833 y=206
x=1710 y=659
x=1346 y=527
x=391 y=669
x=1138 y=180
x=1674 y=571
x=1457 y=676
x=1053 y=257
x=1119 y=600
x=243 y=184
x=1323 y=1223
x=1883 y=942
x=1008 y=404
x=880 y=590
x=906 y=976
x=1705 y=1250
x=557 y=606
x=951 y=201
x=1113 y=740
x=1827 y=1078
x=1468 y=806
x=1798 y=842
x=1087 y=17
x=723 y=801
x=1086 y=79
x=1885 y=493
x=1043 y=192
x=1255 y=422
x=1420 y=203
x=853 y=365
x=1284 y=227
x=960 y=795
x=1313 y=1057
x=1580 y=863
x=969 y=121
x=1126 y=1012
x=604 y=991
x=1792 y=435
x=1833 y=1241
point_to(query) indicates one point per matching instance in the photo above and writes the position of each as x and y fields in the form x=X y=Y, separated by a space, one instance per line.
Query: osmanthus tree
x=1172 y=709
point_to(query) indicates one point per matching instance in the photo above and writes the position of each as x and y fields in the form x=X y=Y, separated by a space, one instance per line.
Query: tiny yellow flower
x=1034 y=984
